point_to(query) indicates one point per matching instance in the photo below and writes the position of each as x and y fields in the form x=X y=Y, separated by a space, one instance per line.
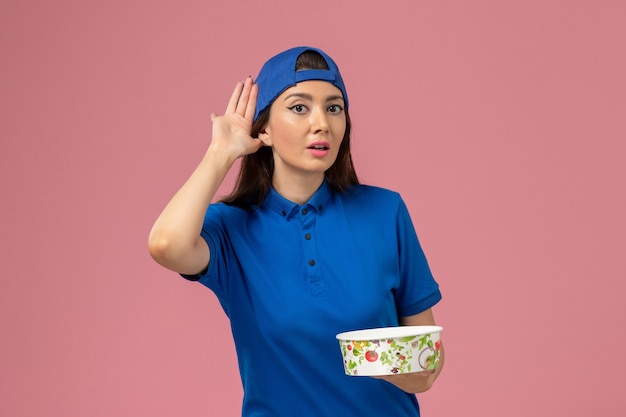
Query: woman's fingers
x=242 y=103
x=251 y=106
x=243 y=99
x=234 y=98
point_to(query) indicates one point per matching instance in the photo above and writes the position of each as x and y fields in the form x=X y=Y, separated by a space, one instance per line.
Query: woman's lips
x=319 y=148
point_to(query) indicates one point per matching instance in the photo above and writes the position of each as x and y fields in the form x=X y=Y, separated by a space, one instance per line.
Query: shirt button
x=284 y=213
x=307 y=236
x=304 y=211
x=319 y=207
x=311 y=262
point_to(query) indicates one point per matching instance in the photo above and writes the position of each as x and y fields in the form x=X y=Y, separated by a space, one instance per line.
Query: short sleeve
x=418 y=291
x=216 y=236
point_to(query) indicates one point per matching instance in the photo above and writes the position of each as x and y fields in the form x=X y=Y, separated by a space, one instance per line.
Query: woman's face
x=305 y=129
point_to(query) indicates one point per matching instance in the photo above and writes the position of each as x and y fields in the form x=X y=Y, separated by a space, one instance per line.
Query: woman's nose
x=319 y=120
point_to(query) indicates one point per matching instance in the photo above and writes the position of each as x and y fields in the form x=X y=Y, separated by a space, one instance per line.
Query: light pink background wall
x=502 y=123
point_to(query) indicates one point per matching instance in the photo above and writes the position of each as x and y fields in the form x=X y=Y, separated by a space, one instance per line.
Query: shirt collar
x=287 y=208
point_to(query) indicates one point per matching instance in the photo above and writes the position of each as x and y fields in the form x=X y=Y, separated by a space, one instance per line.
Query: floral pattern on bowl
x=391 y=355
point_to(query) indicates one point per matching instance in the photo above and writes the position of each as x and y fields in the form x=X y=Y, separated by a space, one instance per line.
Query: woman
x=300 y=251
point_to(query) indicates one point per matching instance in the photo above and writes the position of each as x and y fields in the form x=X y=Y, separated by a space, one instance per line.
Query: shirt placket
x=308 y=215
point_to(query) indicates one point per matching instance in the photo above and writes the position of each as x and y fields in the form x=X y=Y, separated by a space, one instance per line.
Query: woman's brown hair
x=255 y=175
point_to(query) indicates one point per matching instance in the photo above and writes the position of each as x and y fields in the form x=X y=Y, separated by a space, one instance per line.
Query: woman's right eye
x=298 y=108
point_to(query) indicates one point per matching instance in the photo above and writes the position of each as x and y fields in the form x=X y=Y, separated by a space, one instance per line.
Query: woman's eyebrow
x=337 y=97
x=310 y=97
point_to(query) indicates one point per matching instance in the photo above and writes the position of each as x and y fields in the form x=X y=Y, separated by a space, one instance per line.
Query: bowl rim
x=388 y=332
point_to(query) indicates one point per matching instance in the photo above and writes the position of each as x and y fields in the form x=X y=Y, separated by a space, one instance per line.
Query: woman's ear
x=264 y=136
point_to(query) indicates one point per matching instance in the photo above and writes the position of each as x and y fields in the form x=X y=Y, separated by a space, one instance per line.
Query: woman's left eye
x=335 y=108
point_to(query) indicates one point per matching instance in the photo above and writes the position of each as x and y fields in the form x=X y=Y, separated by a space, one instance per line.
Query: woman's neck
x=298 y=189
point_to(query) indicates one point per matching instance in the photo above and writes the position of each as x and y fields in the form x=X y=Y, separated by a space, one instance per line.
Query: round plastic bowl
x=390 y=350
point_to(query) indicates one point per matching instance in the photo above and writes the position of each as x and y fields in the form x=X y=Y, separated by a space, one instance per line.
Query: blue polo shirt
x=290 y=277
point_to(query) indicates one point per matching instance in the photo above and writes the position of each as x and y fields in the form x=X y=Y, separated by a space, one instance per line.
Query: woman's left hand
x=414 y=382
x=417 y=381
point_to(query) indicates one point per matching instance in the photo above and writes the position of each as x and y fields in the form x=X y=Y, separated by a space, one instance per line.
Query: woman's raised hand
x=231 y=132
x=175 y=240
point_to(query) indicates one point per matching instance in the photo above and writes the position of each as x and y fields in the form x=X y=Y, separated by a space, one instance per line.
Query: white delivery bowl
x=390 y=350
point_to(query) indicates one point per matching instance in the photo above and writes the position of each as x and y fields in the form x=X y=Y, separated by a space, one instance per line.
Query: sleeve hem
x=196 y=277
x=205 y=271
x=422 y=305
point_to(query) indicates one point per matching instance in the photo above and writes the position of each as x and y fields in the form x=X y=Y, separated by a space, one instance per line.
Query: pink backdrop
x=502 y=123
